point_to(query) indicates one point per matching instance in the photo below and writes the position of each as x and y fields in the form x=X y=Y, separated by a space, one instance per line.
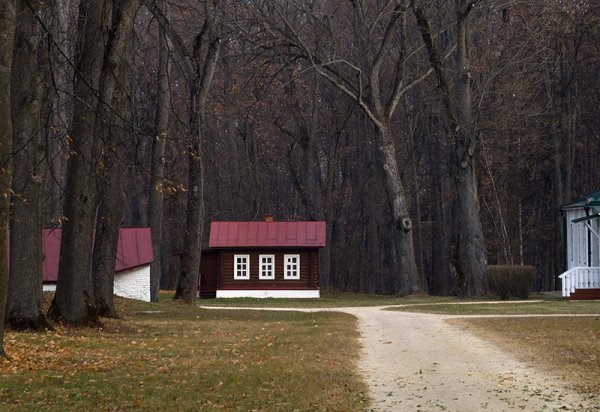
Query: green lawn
x=169 y=356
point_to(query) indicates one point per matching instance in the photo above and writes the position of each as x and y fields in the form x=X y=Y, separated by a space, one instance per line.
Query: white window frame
x=291 y=271
x=266 y=270
x=242 y=273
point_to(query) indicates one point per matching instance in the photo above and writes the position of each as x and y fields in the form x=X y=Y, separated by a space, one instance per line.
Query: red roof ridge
x=303 y=234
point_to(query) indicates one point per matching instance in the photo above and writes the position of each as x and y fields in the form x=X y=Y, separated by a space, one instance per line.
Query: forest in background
x=433 y=137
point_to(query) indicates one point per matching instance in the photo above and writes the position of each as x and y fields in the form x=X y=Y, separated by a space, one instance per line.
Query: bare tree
x=200 y=64
x=382 y=42
x=7 y=32
x=472 y=262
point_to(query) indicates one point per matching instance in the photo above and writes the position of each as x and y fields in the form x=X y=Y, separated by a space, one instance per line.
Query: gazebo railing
x=580 y=278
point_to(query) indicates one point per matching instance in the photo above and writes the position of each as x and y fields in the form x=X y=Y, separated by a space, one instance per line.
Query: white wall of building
x=268 y=294
x=577 y=240
x=132 y=284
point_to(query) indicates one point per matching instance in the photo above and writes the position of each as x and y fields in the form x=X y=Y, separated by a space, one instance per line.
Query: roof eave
x=228 y=247
x=592 y=199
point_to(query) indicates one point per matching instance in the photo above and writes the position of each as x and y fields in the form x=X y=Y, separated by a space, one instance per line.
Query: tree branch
x=323 y=70
x=436 y=63
x=178 y=43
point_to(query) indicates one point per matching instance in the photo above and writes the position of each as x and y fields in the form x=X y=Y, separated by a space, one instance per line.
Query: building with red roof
x=262 y=259
x=132 y=266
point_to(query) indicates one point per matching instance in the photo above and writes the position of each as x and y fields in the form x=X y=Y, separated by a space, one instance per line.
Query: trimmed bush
x=508 y=281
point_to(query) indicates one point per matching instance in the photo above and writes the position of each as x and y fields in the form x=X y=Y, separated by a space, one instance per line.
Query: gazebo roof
x=586 y=201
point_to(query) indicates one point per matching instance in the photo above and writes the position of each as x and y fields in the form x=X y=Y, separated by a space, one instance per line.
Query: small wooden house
x=262 y=260
x=582 y=254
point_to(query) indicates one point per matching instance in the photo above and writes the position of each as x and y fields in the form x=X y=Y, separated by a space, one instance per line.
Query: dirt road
x=419 y=362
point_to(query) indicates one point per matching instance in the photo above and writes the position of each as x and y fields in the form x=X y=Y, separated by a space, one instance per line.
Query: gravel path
x=419 y=362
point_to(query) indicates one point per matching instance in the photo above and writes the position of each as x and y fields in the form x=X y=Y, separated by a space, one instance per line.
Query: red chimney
x=268 y=218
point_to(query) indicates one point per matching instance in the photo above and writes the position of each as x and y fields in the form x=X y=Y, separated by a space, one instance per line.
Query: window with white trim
x=266 y=266
x=291 y=266
x=241 y=267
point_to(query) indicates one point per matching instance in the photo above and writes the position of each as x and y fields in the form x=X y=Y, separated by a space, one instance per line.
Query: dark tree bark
x=62 y=16
x=73 y=301
x=440 y=272
x=157 y=166
x=7 y=32
x=204 y=69
x=24 y=308
x=111 y=126
x=472 y=244
x=471 y=258
x=200 y=67
x=418 y=226
x=406 y=279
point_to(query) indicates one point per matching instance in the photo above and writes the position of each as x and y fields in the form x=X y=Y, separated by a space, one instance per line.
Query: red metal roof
x=267 y=234
x=134 y=249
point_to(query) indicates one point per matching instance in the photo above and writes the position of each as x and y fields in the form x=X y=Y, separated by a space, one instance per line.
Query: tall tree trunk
x=406 y=277
x=200 y=77
x=7 y=32
x=107 y=237
x=194 y=226
x=438 y=274
x=112 y=125
x=108 y=221
x=157 y=166
x=418 y=226
x=24 y=308
x=63 y=21
x=73 y=301
x=471 y=242
x=471 y=260
x=234 y=170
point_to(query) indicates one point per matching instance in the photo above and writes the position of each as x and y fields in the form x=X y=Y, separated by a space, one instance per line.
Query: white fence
x=579 y=278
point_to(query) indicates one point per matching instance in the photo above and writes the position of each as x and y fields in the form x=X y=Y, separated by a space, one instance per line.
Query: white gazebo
x=582 y=222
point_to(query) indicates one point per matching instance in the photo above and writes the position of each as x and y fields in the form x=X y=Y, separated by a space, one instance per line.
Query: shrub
x=511 y=280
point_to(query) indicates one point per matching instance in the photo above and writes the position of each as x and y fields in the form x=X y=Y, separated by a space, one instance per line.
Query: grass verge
x=565 y=347
x=327 y=300
x=546 y=307
x=568 y=347
x=170 y=356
